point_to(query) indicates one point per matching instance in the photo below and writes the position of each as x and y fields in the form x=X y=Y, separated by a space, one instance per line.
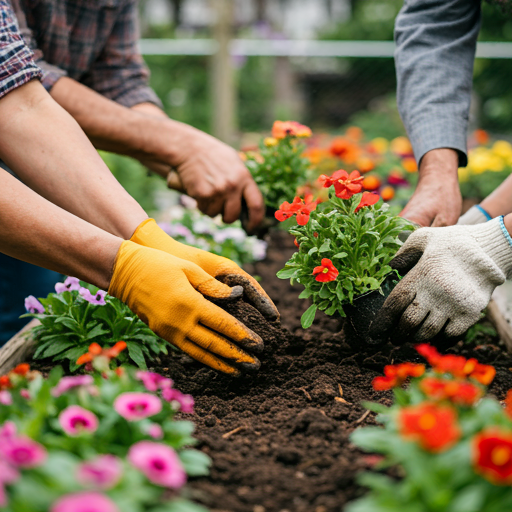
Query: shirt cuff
x=17 y=70
x=50 y=74
x=139 y=95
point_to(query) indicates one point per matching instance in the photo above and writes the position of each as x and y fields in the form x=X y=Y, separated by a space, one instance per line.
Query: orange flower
x=483 y=373
x=458 y=392
x=316 y=155
x=365 y=164
x=401 y=146
x=481 y=137
x=395 y=375
x=433 y=426
x=368 y=199
x=301 y=208
x=355 y=133
x=282 y=129
x=345 y=150
x=371 y=182
x=345 y=184
x=326 y=272
x=95 y=351
x=387 y=193
x=409 y=164
x=508 y=403
x=21 y=369
x=492 y=456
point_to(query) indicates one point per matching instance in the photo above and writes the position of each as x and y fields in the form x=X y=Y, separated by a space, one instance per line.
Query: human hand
x=171 y=296
x=437 y=200
x=450 y=274
x=149 y=234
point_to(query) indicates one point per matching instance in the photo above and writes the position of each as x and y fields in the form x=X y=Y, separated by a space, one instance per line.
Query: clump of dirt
x=279 y=439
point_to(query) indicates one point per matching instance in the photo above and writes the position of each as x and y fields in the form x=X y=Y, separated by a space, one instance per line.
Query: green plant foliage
x=278 y=168
x=70 y=324
x=359 y=244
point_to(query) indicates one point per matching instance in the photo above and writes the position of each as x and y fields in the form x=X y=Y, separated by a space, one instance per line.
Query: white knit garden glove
x=451 y=273
x=475 y=215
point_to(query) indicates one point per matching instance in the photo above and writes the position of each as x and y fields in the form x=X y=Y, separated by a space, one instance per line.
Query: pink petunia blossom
x=67 y=383
x=159 y=463
x=25 y=393
x=186 y=402
x=8 y=430
x=22 y=452
x=5 y=397
x=69 y=285
x=32 y=305
x=155 y=431
x=8 y=475
x=137 y=406
x=154 y=381
x=98 y=299
x=84 y=502
x=76 y=420
x=103 y=472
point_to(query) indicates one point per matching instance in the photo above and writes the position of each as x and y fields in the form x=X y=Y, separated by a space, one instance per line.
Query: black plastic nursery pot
x=269 y=221
x=363 y=311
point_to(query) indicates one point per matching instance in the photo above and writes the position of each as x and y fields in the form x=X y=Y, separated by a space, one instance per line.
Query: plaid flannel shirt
x=17 y=65
x=94 y=42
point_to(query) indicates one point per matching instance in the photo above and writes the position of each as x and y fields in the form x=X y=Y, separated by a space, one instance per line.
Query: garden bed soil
x=279 y=439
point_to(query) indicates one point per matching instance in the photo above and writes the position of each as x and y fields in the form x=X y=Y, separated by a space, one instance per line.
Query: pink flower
x=186 y=402
x=84 y=502
x=98 y=299
x=159 y=463
x=5 y=397
x=8 y=475
x=70 y=284
x=137 y=406
x=8 y=430
x=76 y=420
x=155 y=431
x=32 y=305
x=103 y=472
x=154 y=381
x=22 y=452
x=67 y=383
x=25 y=393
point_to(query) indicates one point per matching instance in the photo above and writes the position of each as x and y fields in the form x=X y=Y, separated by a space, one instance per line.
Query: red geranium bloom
x=325 y=272
x=299 y=207
x=282 y=129
x=5 y=382
x=368 y=199
x=492 y=456
x=458 y=392
x=395 y=375
x=287 y=210
x=433 y=426
x=345 y=184
x=22 y=369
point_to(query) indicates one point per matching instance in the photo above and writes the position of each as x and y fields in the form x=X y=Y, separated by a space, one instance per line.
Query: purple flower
x=103 y=472
x=98 y=299
x=238 y=235
x=84 y=502
x=76 y=420
x=32 y=305
x=153 y=381
x=155 y=431
x=67 y=383
x=22 y=452
x=186 y=402
x=70 y=284
x=137 y=406
x=159 y=463
x=5 y=397
x=8 y=475
x=188 y=202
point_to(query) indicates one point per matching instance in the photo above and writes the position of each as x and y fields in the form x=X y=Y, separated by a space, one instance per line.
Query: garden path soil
x=279 y=439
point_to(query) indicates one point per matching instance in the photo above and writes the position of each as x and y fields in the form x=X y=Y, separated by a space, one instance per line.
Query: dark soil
x=279 y=439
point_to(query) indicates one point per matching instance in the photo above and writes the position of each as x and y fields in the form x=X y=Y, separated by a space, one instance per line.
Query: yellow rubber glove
x=168 y=294
x=150 y=234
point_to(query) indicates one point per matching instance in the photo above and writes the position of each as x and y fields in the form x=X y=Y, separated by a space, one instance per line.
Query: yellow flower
x=463 y=174
x=502 y=149
x=401 y=146
x=270 y=141
x=380 y=145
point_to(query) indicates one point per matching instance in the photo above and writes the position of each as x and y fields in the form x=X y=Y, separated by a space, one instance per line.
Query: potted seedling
x=344 y=247
x=278 y=167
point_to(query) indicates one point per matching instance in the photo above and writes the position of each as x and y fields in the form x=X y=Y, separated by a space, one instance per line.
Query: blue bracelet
x=479 y=208
x=505 y=231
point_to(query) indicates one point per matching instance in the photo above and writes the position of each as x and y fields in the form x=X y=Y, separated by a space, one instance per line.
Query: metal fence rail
x=298 y=48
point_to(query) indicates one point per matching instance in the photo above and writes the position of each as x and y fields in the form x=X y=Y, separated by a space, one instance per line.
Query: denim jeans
x=17 y=281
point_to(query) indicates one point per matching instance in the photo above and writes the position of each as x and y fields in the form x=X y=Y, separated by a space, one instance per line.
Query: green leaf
x=325 y=293
x=325 y=246
x=136 y=354
x=287 y=273
x=196 y=463
x=70 y=323
x=305 y=294
x=56 y=348
x=307 y=318
x=95 y=332
x=340 y=255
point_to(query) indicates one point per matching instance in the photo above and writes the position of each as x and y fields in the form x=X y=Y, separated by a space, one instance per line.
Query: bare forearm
x=500 y=201
x=36 y=231
x=49 y=152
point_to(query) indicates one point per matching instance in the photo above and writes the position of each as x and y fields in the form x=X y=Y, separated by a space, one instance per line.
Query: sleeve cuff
x=140 y=95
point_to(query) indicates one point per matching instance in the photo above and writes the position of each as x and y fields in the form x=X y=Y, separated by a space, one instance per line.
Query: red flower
x=508 y=403
x=296 y=243
x=492 y=456
x=433 y=426
x=458 y=392
x=483 y=373
x=395 y=375
x=325 y=272
x=299 y=207
x=282 y=129
x=5 y=382
x=96 y=351
x=22 y=369
x=368 y=199
x=345 y=184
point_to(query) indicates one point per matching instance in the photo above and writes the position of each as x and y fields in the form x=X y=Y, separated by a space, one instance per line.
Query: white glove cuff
x=475 y=215
x=495 y=240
